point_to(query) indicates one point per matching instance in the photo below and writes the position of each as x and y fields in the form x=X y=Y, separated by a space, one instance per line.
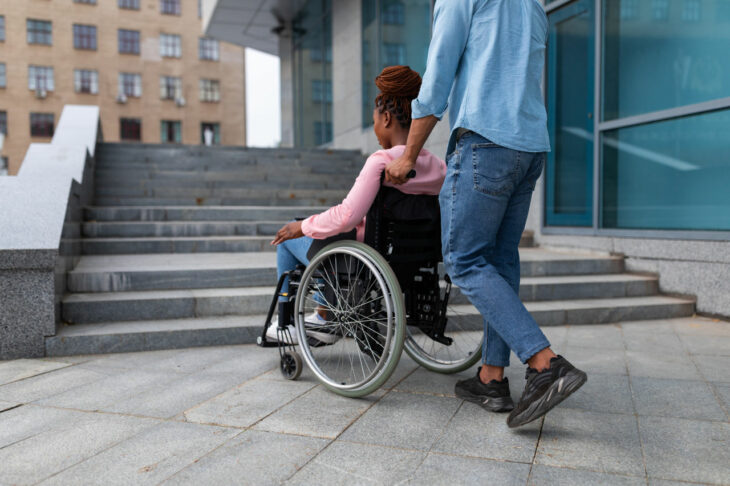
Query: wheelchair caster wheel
x=259 y=341
x=291 y=365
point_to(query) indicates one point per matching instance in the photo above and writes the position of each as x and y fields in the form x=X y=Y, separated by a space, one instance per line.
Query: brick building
x=146 y=63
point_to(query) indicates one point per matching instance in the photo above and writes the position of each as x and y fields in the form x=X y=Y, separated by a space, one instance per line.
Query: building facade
x=145 y=63
x=638 y=100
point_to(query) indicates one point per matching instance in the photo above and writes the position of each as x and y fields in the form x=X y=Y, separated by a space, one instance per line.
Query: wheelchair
x=376 y=297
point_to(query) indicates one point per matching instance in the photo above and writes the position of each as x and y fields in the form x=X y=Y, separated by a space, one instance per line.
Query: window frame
x=127 y=80
x=42 y=121
x=206 y=86
x=128 y=4
x=170 y=45
x=80 y=81
x=126 y=127
x=84 y=34
x=204 y=47
x=129 y=37
x=170 y=7
x=37 y=36
x=629 y=121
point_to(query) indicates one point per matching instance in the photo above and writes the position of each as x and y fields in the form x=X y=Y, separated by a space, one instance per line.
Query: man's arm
x=451 y=26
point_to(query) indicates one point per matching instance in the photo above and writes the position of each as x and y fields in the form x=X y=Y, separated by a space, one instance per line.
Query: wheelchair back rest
x=404 y=228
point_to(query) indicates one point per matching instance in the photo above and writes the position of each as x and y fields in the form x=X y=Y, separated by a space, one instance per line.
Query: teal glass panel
x=661 y=54
x=394 y=32
x=570 y=101
x=369 y=61
x=670 y=175
x=313 y=74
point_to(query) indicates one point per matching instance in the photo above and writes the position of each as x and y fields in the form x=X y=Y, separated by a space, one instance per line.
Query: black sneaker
x=494 y=396
x=545 y=389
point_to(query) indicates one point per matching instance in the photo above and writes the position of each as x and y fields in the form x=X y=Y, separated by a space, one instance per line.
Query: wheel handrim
x=330 y=363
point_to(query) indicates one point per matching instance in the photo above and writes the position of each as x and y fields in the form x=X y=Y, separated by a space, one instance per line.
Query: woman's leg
x=289 y=254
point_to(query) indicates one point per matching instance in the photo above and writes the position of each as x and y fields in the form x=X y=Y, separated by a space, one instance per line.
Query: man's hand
x=288 y=232
x=396 y=172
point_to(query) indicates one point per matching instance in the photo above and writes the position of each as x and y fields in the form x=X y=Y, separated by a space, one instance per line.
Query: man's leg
x=480 y=181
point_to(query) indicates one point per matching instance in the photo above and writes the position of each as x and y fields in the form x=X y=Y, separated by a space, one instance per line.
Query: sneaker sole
x=558 y=391
x=493 y=404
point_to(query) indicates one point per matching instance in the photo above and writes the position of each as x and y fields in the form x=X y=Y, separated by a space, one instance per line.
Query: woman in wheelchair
x=398 y=86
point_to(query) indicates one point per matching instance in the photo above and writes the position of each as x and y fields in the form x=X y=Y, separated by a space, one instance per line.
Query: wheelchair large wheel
x=361 y=339
x=464 y=328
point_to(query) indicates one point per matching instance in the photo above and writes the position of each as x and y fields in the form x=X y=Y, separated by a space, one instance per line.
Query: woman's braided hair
x=398 y=85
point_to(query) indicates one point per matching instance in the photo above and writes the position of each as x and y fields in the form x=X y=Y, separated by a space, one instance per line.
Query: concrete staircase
x=176 y=251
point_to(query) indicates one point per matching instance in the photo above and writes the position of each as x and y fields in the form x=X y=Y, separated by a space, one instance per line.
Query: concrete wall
x=689 y=267
x=40 y=229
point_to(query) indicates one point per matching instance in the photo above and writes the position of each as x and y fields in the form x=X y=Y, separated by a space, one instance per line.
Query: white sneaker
x=320 y=329
x=273 y=335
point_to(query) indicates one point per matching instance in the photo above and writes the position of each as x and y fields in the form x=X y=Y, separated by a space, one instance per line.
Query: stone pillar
x=286 y=59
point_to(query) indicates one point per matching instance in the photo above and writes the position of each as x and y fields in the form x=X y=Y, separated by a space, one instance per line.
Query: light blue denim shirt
x=485 y=64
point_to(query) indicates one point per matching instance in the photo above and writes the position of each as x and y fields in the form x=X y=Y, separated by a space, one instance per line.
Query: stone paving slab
x=591 y=440
x=253 y=457
x=225 y=415
x=687 y=450
x=19 y=369
x=153 y=455
x=549 y=476
x=350 y=463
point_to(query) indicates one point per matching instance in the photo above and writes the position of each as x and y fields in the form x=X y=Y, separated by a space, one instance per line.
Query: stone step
x=226 y=192
x=130 y=336
x=199 y=213
x=177 y=244
x=223 y=180
x=137 y=229
x=194 y=244
x=169 y=304
x=270 y=200
x=113 y=273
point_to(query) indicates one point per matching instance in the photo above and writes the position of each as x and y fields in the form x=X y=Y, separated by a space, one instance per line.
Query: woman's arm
x=344 y=216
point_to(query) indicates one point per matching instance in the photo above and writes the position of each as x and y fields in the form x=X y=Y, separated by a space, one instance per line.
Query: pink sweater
x=430 y=173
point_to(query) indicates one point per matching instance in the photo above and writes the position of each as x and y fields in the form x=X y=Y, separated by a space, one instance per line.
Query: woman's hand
x=397 y=171
x=287 y=232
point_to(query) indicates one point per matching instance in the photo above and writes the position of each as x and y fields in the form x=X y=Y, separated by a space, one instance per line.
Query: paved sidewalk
x=654 y=411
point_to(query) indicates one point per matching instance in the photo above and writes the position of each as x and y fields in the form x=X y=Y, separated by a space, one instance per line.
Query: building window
x=210 y=133
x=321 y=91
x=210 y=90
x=3 y=77
x=2 y=28
x=629 y=9
x=394 y=54
x=660 y=10
x=130 y=85
x=170 y=131
x=4 y=122
x=41 y=124
x=130 y=129
x=691 y=11
x=86 y=81
x=91 y=2
x=3 y=166
x=170 y=7
x=200 y=9
x=322 y=132
x=208 y=49
x=40 y=78
x=84 y=36
x=393 y=13
x=129 y=4
x=392 y=34
x=656 y=168
x=170 y=45
x=39 y=32
x=170 y=87
x=128 y=41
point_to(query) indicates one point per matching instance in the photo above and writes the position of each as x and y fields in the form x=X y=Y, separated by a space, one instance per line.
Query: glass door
x=570 y=102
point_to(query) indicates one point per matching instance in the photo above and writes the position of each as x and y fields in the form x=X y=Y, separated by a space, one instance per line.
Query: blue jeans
x=289 y=254
x=484 y=203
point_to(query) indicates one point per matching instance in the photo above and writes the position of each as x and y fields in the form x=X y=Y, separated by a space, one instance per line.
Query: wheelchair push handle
x=411 y=174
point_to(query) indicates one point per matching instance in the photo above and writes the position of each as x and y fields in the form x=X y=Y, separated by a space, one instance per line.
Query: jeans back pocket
x=496 y=168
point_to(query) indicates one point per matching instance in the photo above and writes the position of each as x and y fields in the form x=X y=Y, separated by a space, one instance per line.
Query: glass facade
x=313 y=74
x=638 y=97
x=392 y=34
